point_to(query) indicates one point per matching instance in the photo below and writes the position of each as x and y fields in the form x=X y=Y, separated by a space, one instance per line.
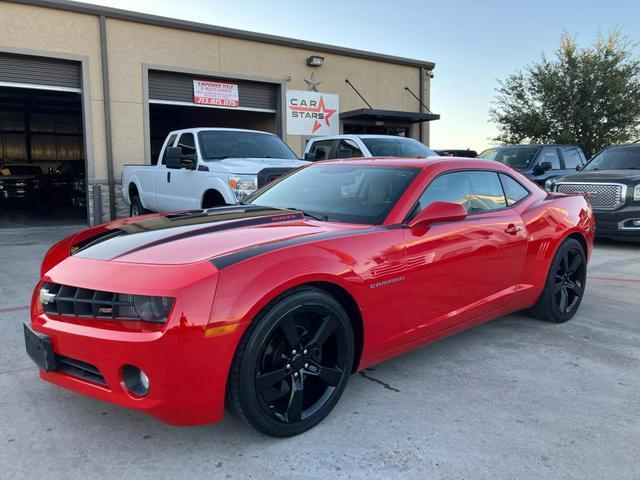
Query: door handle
x=168 y=177
x=512 y=229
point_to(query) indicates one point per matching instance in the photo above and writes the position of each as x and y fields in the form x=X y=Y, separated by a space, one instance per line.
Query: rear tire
x=565 y=284
x=292 y=364
x=136 y=207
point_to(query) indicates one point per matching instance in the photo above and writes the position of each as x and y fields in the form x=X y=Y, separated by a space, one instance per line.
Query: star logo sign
x=318 y=112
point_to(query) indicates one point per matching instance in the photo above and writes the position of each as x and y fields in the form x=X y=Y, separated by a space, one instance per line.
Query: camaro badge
x=46 y=297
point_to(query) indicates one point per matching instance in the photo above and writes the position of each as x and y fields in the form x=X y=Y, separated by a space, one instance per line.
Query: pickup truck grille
x=85 y=303
x=268 y=175
x=601 y=196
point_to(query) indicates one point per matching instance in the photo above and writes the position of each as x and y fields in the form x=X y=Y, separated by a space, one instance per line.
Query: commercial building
x=102 y=87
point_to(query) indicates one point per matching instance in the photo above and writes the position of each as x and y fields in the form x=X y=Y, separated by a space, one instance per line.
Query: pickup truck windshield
x=616 y=158
x=216 y=145
x=397 y=147
x=515 y=157
x=340 y=193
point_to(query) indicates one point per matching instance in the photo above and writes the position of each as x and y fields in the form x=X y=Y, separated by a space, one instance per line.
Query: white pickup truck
x=206 y=167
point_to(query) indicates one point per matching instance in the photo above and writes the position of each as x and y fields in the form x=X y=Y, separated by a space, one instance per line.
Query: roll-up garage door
x=177 y=88
x=39 y=72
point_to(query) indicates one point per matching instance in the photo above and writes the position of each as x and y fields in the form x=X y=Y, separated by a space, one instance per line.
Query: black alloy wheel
x=565 y=284
x=569 y=282
x=292 y=364
x=136 y=207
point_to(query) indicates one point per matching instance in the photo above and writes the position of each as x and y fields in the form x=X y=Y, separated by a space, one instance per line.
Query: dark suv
x=611 y=182
x=538 y=162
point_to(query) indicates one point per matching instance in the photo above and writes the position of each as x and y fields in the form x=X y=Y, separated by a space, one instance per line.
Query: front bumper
x=186 y=366
x=618 y=223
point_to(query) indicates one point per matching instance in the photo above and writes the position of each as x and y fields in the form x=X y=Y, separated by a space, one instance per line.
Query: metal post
x=107 y=116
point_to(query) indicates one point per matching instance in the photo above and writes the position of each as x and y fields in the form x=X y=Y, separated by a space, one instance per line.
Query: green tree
x=586 y=96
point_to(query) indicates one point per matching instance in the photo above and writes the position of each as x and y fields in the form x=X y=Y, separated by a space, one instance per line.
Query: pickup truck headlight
x=243 y=185
x=636 y=193
x=549 y=185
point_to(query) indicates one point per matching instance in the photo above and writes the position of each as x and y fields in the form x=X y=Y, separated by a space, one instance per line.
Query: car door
x=547 y=155
x=457 y=271
x=177 y=188
x=320 y=150
x=347 y=148
x=571 y=159
x=161 y=176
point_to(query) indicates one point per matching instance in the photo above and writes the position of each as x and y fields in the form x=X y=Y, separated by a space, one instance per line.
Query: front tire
x=565 y=284
x=292 y=364
x=136 y=207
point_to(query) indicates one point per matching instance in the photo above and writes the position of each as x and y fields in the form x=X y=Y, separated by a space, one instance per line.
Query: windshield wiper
x=222 y=157
x=324 y=218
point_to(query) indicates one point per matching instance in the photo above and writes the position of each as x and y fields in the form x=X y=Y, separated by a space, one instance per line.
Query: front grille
x=79 y=369
x=601 y=196
x=86 y=303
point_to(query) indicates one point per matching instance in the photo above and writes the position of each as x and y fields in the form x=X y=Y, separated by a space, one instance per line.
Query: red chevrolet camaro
x=267 y=307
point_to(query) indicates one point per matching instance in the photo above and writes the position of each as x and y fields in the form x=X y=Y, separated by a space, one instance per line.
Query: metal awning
x=374 y=114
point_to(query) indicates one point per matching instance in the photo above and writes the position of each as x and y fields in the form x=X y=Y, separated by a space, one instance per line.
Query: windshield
x=515 y=157
x=616 y=158
x=397 y=147
x=70 y=168
x=340 y=193
x=20 y=170
x=216 y=145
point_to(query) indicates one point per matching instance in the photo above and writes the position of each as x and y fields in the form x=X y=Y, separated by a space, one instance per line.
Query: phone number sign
x=220 y=94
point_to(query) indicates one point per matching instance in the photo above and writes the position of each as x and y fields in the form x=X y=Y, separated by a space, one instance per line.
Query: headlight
x=550 y=184
x=152 y=309
x=636 y=193
x=243 y=185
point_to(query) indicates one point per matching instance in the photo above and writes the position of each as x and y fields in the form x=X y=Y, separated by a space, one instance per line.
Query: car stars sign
x=312 y=113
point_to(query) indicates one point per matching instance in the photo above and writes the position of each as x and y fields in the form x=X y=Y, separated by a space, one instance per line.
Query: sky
x=473 y=43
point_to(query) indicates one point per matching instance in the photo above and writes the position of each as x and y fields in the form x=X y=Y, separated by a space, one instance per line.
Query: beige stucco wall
x=44 y=31
x=36 y=30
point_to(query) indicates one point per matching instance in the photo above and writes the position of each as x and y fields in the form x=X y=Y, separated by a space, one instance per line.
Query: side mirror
x=173 y=159
x=543 y=167
x=578 y=168
x=438 y=212
x=309 y=157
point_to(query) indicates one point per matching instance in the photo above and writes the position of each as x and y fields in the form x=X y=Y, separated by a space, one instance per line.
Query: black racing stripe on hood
x=251 y=222
x=230 y=259
x=150 y=232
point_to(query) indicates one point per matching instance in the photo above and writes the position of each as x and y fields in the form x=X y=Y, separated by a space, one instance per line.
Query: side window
x=172 y=139
x=571 y=157
x=477 y=191
x=550 y=154
x=188 y=144
x=513 y=190
x=348 y=149
x=320 y=150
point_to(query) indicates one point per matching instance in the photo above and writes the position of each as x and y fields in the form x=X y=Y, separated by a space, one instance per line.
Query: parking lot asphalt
x=514 y=398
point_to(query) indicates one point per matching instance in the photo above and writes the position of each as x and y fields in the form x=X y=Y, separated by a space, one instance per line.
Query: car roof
x=219 y=129
x=532 y=145
x=422 y=163
x=350 y=136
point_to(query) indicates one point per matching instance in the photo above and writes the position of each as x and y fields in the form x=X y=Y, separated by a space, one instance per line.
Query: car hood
x=619 y=176
x=253 y=165
x=193 y=236
x=17 y=178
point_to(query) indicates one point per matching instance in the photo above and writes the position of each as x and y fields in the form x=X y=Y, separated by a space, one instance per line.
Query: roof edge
x=119 y=14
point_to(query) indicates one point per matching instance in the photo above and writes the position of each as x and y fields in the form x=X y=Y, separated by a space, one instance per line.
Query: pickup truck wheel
x=136 y=207
x=292 y=364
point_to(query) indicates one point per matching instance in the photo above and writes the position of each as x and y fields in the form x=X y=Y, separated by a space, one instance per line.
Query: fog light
x=136 y=381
